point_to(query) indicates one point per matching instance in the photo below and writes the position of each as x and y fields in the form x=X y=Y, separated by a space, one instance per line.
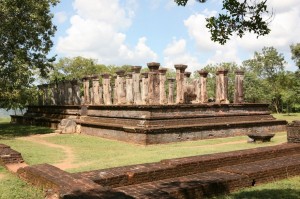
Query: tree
x=239 y=17
x=295 y=50
x=78 y=67
x=25 y=36
x=268 y=65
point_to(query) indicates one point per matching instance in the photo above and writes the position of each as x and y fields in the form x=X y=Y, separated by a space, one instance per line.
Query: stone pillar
x=222 y=86
x=162 y=90
x=203 y=98
x=153 y=83
x=120 y=86
x=96 y=97
x=86 y=90
x=136 y=84
x=144 y=88
x=180 y=68
x=101 y=94
x=188 y=89
x=171 y=91
x=186 y=79
x=68 y=87
x=129 y=89
x=91 y=95
x=75 y=92
x=239 y=87
x=52 y=93
x=60 y=92
x=115 y=95
x=46 y=94
x=106 y=89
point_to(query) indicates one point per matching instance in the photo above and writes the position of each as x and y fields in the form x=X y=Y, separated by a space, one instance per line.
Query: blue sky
x=135 y=32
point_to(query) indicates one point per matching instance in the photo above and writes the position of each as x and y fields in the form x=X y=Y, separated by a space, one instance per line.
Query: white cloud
x=176 y=53
x=96 y=31
x=284 y=31
x=60 y=17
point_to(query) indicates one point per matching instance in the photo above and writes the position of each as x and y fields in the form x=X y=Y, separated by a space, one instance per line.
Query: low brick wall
x=128 y=175
x=185 y=178
x=293 y=132
x=9 y=156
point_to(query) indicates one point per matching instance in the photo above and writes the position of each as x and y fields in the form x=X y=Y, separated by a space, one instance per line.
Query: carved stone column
x=96 y=97
x=46 y=94
x=60 y=93
x=129 y=88
x=101 y=94
x=171 y=90
x=203 y=86
x=106 y=89
x=188 y=89
x=162 y=90
x=186 y=79
x=68 y=87
x=153 y=83
x=239 y=87
x=120 y=86
x=145 y=88
x=75 y=92
x=136 y=84
x=180 y=68
x=222 y=86
x=86 y=89
x=115 y=95
x=52 y=93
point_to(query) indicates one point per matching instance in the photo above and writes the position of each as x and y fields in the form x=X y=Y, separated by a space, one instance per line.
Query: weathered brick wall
x=9 y=156
x=293 y=132
x=188 y=177
x=128 y=175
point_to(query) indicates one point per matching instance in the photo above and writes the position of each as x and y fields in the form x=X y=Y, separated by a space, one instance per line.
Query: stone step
x=221 y=181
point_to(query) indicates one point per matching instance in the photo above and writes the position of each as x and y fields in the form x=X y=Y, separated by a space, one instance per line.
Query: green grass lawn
x=97 y=153
x=289 y=118
x=100 y=153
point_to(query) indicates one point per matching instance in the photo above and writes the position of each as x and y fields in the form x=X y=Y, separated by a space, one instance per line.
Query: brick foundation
x=189 y=177
x=154 y=124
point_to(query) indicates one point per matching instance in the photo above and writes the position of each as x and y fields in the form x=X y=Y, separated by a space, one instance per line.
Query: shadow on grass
x=9 y=131
x=268 y=194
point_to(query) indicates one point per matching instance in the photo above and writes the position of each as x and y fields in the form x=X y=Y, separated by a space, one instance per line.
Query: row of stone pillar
x=149 y=88
x=61 y=93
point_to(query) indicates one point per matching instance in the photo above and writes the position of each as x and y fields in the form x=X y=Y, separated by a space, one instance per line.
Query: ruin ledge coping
x=152 y=106
x=169 y=129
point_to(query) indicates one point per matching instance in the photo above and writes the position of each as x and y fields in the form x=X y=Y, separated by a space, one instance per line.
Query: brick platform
x=189 y=177
x=153 y=124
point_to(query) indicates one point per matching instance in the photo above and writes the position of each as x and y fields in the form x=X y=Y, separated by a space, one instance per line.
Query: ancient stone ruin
x=149 y=108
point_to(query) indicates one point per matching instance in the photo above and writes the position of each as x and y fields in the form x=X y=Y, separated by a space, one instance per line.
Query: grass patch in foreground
x=13 y=187
x=285 y=116
x=283 y=189
x=34 y=153
x=99 y=153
